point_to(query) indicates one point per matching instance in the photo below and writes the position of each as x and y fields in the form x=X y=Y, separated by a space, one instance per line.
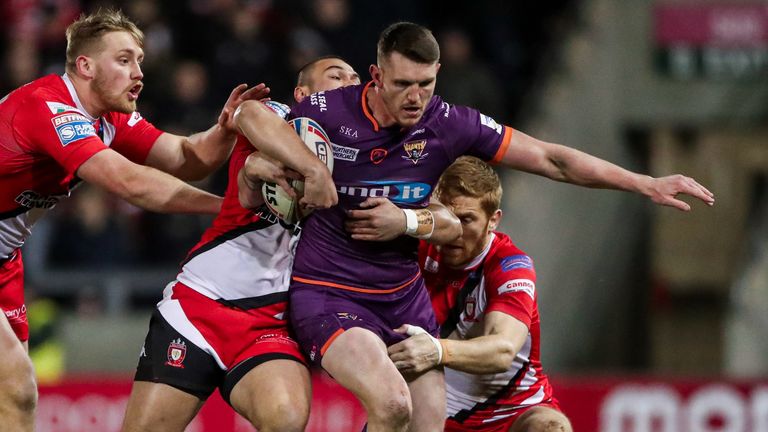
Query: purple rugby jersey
x=372 y=161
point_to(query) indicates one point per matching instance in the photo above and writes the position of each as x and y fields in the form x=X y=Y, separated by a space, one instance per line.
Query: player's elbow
x=505 y=355
x=250 y=112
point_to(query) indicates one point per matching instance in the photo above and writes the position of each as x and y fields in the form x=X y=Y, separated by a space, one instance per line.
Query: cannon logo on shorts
x=397 y=191
x=177 y=350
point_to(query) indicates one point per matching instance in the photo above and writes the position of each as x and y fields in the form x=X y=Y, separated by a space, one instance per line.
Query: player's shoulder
x=120 y=120
x=322 y=104
x=506 y=256
x=46 y=96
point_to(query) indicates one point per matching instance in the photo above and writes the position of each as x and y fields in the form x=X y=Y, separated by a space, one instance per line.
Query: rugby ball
x=277 y=200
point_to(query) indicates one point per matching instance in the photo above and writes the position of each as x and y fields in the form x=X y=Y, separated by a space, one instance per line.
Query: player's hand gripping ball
x=278 y=201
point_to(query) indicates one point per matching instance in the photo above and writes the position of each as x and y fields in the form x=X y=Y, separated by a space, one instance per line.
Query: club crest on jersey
x=414 y=151
x=470 y=309
x=378 y=155
x=135 y=118
x=177 y=351
x=430 y=265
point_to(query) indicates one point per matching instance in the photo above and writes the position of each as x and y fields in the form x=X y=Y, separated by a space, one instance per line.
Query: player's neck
x=86 y=96
x=379 y=110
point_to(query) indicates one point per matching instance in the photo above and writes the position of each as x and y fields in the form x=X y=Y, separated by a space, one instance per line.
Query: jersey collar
x=478 y=259
x=73 y=95
x=364 y=104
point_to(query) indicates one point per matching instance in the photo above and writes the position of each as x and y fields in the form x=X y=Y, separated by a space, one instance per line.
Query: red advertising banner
x=602 y=404
x=721 y=41
x=706 y=23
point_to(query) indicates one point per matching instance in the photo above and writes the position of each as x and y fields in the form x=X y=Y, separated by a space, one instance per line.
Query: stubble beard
x=111 y=102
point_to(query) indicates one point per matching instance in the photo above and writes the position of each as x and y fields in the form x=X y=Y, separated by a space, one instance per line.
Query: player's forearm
x=204 y=152
x=446 y=227
x=576 y=167
x=481 y=355
x=566 y=164
x=249 y=190
x=269 y=133
x=156 y=191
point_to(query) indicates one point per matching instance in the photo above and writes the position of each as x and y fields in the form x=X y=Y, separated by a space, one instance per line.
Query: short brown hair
x=471 y=177
x=413 y=41
x=306 y=71
x=85 y=34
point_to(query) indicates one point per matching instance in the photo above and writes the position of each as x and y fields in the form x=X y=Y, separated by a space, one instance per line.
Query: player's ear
x=84 y=66
x=375 y=74
x=493 y=222
x=299 y=93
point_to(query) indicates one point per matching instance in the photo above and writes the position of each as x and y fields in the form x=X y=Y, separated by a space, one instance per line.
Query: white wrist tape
x=412 y=330
x=411 y=222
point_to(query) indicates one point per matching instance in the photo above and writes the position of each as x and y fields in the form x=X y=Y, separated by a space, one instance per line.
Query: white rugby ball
x=277 y=200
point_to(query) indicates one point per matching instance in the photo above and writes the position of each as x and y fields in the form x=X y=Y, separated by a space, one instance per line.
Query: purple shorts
x=320 y=313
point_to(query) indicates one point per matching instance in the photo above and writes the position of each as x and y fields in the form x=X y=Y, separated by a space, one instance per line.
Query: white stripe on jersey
x=464 y=390
x=171 y=310
x=253 y=264
x=15 y=230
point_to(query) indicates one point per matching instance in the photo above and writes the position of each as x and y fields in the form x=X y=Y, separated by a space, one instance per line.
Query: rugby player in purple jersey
x=392 y=139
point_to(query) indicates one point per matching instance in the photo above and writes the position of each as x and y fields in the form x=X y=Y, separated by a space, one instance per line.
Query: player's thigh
x=15 y=365
x=358 y=360
x=542 y=419
x=275 y=391
x=159 y=407
x=428 y=398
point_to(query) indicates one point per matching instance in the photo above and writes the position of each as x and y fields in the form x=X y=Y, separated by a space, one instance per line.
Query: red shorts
x=197 y=344
x=497 y=426
x=12 y=294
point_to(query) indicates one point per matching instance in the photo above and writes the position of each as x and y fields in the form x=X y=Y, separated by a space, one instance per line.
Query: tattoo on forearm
x=426 y=221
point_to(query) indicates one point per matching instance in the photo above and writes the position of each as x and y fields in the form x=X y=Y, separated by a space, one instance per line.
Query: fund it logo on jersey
x=414 y=151
x=177 y=351
x=396 y=191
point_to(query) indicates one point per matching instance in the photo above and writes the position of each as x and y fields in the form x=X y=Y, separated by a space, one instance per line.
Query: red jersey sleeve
x=134 y=135
x=68 y=137
x=510 y=285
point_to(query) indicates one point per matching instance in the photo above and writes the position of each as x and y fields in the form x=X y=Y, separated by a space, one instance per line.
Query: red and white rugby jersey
x=244 y=258
x=45 y=135
x=501 y=278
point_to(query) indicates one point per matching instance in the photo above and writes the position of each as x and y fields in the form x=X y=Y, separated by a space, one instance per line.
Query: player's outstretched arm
x=378 y=219
x=146 y=187
x=569 y=165
x=269 y=133
x=196 y=156
x=493 y=352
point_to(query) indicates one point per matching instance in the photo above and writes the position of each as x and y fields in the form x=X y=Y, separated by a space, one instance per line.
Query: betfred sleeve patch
x=71 y=127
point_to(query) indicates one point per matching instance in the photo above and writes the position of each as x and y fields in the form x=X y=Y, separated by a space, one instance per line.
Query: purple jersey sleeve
x=474 y=134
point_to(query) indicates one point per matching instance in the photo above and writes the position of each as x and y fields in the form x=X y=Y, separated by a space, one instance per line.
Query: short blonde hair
x=85 y=34
x=471 y=177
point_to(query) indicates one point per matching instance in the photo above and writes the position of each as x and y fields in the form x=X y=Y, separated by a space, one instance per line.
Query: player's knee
x=284 y=415
x=547 y=424
x=19 y=387
x=394 y=411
